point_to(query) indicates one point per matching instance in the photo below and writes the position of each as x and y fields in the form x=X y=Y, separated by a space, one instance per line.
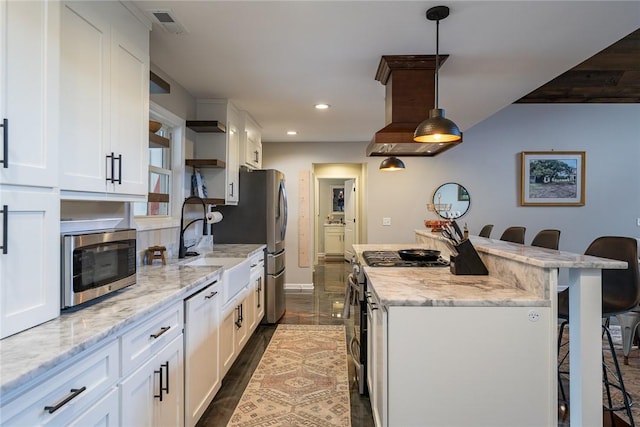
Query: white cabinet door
x=29 y=83
x=227 y=338
x=84 y=108
x=105 y=106
x=257 y=295
x=202 y=379
x=243 y=317
x=152 y=395
x=233 y=164
x=30 y=258
x=334 y=240
x=129 y=115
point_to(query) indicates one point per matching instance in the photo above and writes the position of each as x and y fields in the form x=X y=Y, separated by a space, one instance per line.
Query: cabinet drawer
x=65 y=396
x=144 y=341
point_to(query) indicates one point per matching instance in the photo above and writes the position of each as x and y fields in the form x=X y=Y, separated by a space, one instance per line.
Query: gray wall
x=487 y=164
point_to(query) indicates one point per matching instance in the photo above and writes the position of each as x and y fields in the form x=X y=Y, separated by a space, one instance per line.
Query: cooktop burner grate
x=392 y=259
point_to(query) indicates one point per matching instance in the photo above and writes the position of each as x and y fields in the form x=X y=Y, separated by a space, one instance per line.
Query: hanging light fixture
x=391 y=163
x=437 y=128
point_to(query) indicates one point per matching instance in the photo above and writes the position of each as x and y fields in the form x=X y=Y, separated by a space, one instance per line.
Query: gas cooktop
x=392 y=259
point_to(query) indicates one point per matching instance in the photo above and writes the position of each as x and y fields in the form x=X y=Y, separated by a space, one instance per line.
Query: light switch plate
x=386 y=220
x=638 y=222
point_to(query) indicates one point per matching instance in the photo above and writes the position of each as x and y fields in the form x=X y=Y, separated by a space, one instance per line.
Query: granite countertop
x=539 y=257
x=30 y=353
x=436 y=286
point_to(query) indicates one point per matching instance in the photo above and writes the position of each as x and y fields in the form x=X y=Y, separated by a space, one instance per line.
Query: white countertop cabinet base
x=202 y=324
x=468 y=366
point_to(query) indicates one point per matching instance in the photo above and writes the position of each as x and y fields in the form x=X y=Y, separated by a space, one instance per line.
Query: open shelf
x=157 y=141
x=205 y=163
x=207 y=201
x=202 y=126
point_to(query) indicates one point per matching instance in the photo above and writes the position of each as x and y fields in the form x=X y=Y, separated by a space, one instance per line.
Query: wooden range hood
x=409 y=95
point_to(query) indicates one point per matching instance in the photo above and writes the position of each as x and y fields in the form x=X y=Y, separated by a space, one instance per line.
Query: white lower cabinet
x=233 y=329
x=256 y=287
x=462 y=366
x=104 y=413
x=201 y=346
x=71 y=394
x=152 y=395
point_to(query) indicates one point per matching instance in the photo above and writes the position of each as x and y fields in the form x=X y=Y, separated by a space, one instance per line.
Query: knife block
x=467 y=262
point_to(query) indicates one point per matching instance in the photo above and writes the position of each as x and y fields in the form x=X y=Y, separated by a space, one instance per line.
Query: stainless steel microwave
x=96 y=263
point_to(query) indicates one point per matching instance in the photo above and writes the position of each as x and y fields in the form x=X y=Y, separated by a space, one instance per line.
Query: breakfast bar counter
x=497 y=332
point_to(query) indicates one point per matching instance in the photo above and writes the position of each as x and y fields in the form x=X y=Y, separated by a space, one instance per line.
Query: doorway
x=337 y=201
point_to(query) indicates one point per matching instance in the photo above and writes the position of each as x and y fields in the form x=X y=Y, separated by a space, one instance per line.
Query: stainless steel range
x=358 y=347
x=392 y=259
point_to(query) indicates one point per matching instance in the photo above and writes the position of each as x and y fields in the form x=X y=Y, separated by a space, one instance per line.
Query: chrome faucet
x=182 y=250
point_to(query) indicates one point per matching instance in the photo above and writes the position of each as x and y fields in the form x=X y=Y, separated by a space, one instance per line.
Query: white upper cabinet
x=105 y=104
x=29 y=66
x=251 y=143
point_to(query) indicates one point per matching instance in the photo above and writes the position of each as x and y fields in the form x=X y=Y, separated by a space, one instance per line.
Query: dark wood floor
x=322 y=306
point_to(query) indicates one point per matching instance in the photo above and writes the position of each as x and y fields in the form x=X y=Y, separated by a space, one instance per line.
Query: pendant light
x=437 y=128
x=391 y=163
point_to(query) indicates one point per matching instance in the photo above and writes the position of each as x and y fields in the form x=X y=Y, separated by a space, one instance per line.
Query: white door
x=350 y=199
x=29 y=64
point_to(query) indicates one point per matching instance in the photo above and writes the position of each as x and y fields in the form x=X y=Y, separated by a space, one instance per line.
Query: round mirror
x=451 y=200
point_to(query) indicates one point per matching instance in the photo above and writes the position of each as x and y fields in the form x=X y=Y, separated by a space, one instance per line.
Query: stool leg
x=625 y=395
x=560 y=334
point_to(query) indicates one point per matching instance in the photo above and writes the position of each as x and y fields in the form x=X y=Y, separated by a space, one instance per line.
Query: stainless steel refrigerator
x=260 y=217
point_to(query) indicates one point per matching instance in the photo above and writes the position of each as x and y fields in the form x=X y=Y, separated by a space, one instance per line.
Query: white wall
x=487 y=164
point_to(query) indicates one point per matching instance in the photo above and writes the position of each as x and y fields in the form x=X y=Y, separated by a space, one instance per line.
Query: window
x=165 y=147
x=159 y=175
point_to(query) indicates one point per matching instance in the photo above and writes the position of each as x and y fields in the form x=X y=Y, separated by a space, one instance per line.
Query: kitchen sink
x=236 y=273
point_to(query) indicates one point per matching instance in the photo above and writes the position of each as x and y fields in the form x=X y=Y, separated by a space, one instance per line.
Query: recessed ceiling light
x=292 y=132
x=321 y=106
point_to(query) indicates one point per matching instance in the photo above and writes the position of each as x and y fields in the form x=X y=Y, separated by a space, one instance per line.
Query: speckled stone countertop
x=436 y=286
x=35 y=351
x=538 y=257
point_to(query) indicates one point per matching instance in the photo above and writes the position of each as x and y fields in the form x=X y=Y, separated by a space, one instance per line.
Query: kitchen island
x=469 y=350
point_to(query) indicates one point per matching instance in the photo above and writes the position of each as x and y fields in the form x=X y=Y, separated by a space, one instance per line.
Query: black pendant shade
x=391 y=164
x=437 y=128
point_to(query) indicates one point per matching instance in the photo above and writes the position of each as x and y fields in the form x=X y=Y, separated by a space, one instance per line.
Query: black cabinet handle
x=159 y=372
x=166 y=370
x=239 y=321
x=5 y=143
x=112 y=157
x=231 y=193
x=74 y=392
x=5 y=228
x=162 y=331
x=211 y=295
x=119 y=169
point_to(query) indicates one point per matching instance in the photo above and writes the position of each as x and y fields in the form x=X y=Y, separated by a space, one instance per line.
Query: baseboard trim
x=298 y=287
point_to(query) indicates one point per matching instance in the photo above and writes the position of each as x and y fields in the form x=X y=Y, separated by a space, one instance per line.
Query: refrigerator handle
x=282 y=205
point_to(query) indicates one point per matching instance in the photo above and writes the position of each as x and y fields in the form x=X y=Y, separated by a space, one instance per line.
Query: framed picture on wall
x=552 y=178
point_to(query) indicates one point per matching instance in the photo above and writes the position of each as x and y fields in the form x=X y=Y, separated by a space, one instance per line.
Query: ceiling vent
x=409 y=95
x=168 y=22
